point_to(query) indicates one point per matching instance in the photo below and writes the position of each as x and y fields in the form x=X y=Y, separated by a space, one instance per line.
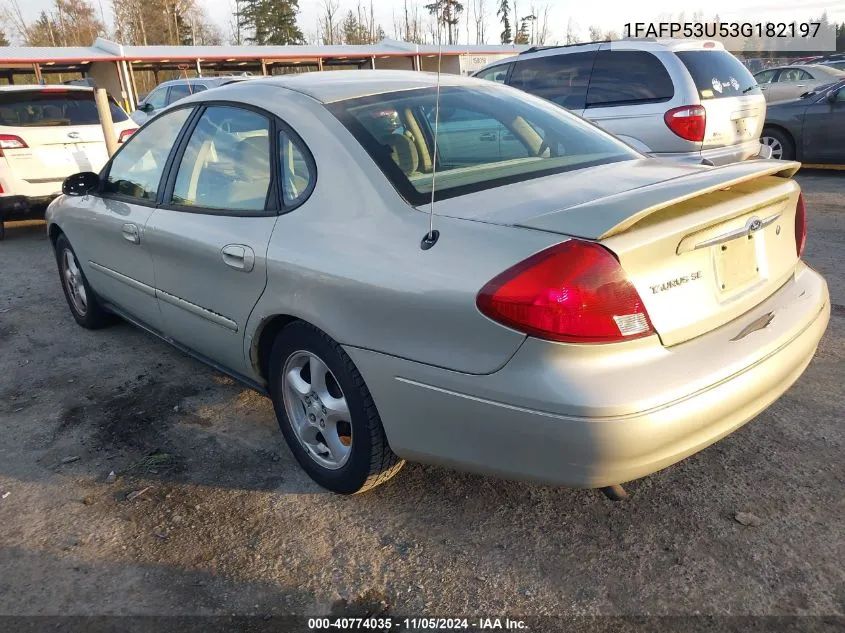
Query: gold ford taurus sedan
x=571 y=311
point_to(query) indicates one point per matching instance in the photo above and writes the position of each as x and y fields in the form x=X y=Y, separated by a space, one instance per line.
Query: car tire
x=312 y=382
x=783 y=147
x=83 y=303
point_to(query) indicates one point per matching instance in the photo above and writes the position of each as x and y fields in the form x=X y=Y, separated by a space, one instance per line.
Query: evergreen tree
x=270 y=21
x=448 y=13
x=504 y=16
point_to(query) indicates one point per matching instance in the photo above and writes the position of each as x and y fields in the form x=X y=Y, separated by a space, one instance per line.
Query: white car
x=48 y=133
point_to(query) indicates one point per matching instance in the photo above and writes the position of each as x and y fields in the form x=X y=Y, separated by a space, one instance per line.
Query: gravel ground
x=207 y=512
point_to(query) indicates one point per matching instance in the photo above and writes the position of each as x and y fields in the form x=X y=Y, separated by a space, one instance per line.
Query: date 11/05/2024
x=416 y=624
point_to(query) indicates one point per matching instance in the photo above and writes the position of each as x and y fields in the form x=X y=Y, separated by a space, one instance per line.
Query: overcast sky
x=608 y=14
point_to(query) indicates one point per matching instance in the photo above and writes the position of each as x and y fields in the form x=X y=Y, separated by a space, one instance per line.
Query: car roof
x=203 y=80
x=337 y=85
x=51 y=87
x=644 y=44
x=786 y=66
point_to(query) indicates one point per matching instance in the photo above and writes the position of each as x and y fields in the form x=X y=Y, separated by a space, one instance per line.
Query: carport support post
x=263 y=67
x=37 y=69
x=199 y=68
x=103 y=110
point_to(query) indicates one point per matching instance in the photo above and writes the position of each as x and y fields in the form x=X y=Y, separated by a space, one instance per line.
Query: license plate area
x=736 y=264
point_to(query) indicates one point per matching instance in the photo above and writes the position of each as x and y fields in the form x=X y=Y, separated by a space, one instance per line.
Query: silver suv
x=684 y=100
x=171 y=91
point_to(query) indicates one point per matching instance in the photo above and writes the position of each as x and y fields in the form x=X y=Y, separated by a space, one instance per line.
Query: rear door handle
x=239 y=257
x=131 y=233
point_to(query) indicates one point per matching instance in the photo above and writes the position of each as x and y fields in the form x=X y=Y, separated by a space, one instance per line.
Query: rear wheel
x=782 y=146
x=327 y=414
x=81 y=300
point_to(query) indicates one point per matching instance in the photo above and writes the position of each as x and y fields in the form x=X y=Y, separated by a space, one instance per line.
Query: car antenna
x=430 y=238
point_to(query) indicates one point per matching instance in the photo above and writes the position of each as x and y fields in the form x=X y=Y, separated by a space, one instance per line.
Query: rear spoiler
x=601 y=218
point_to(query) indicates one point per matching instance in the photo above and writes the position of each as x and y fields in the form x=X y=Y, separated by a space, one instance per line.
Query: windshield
x=52 y=107
x=718 y=74
x=487 y=136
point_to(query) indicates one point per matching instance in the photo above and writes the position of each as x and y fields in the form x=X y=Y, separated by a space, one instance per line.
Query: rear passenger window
x=562 y=79
x=628 y=78
x=497 y=73
x=793 y=74
x=226 y=164
x=297 y=170
x=765 y=76
x=179 y=91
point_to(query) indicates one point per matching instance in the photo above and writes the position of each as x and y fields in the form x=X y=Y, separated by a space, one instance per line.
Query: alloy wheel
x=73 y=281
x=775 y=145
x=317 y=409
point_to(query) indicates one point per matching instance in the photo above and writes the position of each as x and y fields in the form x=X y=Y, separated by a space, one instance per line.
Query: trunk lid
x=702 y=246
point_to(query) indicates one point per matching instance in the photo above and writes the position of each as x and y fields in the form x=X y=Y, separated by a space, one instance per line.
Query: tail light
x=125 y=134
x=575 y=292
x=688 y=122
x=800 y=225
x=8 y=141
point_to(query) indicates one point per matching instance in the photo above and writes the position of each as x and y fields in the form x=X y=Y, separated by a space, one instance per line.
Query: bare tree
x=12 y=14
x=479 y=10
x=328 y=23
x=596 y=34
x=542 y=28
x=234 y=23
x=571 y=32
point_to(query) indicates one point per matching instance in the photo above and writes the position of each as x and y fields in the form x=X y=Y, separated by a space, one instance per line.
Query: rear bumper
x=593 y=417
x=718 y=155
x=23 y=207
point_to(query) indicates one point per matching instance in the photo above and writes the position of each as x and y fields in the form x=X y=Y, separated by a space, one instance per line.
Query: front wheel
x=81 y=300
x=327 y=414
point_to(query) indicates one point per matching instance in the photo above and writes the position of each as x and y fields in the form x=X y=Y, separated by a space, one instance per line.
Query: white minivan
x=48 y=133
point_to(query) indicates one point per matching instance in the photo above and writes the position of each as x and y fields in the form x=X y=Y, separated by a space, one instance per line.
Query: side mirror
x=81 y=184
x=833 y=95
x=146 y=107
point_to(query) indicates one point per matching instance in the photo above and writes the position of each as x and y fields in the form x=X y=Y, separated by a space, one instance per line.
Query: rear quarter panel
x=349 y=260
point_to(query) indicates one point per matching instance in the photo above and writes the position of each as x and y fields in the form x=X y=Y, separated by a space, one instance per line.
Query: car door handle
x=801 y=85
x=487 y=136
x=131 y=233
x=239 y=257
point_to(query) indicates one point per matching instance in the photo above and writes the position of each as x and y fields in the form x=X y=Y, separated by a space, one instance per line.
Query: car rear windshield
x=718 y=74
x=42 y=108
x=487 y=136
